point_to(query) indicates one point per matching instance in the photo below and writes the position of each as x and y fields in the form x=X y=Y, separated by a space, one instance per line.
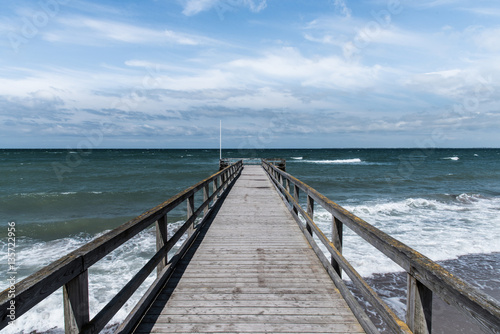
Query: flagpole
x=220 y=139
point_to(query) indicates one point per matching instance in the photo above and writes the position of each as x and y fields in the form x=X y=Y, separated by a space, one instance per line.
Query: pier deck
x=251 y=270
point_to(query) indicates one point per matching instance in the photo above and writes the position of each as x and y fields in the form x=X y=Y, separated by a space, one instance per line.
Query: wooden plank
x=301 y=305
x=199 y=310
x=250 y=294
x=250 y=328
x=250 y=318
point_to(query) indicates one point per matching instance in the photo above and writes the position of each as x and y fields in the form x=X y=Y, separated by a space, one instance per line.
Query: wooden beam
x=310 y=212
x=296 y=195
x=190 y=211
x=206 y=192
x=161 y=240
x=418 y=307
x=76 y=303
x=337 y=240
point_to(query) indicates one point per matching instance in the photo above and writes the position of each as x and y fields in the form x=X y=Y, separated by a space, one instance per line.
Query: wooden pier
x=247 y=260
x=252 y=271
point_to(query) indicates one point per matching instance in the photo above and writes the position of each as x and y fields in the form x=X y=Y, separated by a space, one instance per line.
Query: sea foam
x=441 y=230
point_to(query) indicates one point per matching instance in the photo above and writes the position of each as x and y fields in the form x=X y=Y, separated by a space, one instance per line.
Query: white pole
x=220 y=139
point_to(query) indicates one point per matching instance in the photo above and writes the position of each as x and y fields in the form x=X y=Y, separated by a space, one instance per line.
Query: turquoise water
x=443 y=202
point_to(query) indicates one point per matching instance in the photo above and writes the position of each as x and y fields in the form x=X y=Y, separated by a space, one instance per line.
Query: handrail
x=425 y=277
x=71 y=271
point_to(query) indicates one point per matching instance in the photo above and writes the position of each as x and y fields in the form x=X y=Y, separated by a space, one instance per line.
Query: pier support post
x=296 y=197
x=310 y=212
x=190 y=211
x=161 y=240
x=419 y=307
x=337 y=240
x=205 y=198
x=215 y=187
x=76 y=303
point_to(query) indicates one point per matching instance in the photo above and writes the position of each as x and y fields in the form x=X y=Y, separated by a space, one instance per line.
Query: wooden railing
x=71 y=271
x=278 y=162
x=425 y=277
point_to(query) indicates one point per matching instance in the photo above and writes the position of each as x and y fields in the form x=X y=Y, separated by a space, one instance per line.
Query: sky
x=277 y=73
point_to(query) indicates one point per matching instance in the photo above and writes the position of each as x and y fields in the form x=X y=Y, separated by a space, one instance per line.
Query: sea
x=444 y=203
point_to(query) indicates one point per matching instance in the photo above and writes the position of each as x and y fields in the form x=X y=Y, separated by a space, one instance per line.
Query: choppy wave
x=452 y=158
x=441 y=229
x=124 y=262
x=336 y=161
x=296 y=158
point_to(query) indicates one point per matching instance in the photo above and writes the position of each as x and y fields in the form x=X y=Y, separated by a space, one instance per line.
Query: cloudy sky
x=278 y=73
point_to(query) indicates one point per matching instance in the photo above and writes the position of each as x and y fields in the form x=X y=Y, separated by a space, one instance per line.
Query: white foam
x=338 y=161
x=440 y=230
x=297 y=158
x=124 y=262
x=452 y=158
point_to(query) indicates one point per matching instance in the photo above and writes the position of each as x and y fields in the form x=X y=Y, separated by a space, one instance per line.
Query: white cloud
x=488 y=39
x=83 y=30
x=342 y=8
x=493 y=11
x=327 y=72
x=193 y=7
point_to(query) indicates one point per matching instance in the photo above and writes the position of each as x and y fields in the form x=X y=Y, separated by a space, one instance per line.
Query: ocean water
x=445 y=203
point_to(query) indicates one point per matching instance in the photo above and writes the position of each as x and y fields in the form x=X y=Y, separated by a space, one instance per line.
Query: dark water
x=445 y=203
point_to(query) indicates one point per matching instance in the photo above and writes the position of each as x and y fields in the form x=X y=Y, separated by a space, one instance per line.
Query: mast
x=220 y=139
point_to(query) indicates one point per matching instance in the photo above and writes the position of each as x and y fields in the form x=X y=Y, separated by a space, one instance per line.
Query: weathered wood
x=144 y=303
x=310 y=212
x=217 y=327
x=161 y=240
x=206 y=195
x=359 y=313
x=190 y=212
x=394 y=323
x=296 y=195
x=418 y=307
x=466 y=298
x=215 y=186
x=76 y=303
x=43 y=283
x=246 y=261
x=337 y=240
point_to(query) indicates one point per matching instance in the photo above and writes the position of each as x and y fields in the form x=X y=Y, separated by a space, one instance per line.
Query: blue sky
x=278 y=73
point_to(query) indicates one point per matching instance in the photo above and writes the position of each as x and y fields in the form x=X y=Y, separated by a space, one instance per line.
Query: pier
x=247 y=259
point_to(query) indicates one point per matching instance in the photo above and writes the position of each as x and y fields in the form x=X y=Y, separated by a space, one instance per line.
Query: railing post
x=296 y=197
x=76 y=303
x=161 y=240
x=216 y=186
x=337 y=236
x=206 y=195
x=190 y=211
x=310 y=212
x=287 y=185
x=418 y=307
